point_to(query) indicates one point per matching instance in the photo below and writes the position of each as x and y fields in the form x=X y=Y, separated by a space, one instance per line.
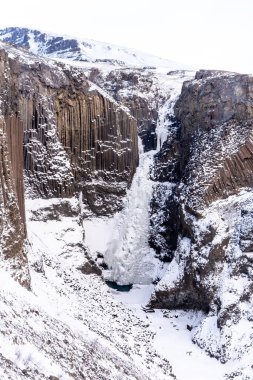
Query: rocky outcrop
x=12 y=221
x=210 y=166
x=65 y=136
x=215 y=111
x=141 y=91
x=101 y=141
x=75 y=138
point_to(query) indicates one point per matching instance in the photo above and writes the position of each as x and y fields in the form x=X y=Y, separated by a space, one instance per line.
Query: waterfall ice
x=128 y=252
x=128 y=255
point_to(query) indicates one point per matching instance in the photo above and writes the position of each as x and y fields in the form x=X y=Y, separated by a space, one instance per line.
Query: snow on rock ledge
x=210 y=162
x=75 y=138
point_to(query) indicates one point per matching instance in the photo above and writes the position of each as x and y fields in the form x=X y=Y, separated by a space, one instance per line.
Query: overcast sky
x=214 y=34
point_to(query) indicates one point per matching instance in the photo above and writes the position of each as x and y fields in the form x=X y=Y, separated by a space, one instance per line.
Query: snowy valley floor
x=172 y=339
x=73 y=326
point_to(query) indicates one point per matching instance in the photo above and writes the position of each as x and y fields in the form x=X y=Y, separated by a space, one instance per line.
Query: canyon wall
x=142 y=91
x=76 y=139
x=216 y=112
x=59 y=137
x=207 y=228
x=12 y=220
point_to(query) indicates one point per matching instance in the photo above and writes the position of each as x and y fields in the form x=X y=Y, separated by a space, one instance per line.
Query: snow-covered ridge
x=85 y=50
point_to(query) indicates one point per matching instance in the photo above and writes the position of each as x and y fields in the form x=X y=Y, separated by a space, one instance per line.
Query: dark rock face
x=101 y=141
x=215 y=112
x=74 y=139
x=139 y=90
x=68 y=139
x=210 y=164
x=12 y=221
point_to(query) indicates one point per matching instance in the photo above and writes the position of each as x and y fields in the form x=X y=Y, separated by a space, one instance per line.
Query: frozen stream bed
x=172 y=338
x=79 y=313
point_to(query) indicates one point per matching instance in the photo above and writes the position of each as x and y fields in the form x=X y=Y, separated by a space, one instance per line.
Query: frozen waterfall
x=128 y=255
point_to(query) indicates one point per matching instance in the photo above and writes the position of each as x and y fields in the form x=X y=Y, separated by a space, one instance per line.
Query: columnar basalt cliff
x=216 y=113
x=142 y=90
x=63 y=133
x=101 y=141
x=210 y=164
x=75 y=138
x=66 y=137
x=12 y=221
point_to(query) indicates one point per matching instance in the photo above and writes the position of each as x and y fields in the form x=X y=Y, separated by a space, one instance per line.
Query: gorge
x=128 y=173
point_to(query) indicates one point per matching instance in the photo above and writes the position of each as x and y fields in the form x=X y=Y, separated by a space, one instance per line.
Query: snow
x=66 y=307
x=172 y=338
x=94 y=51
x=97 y=234
x=70 y=321
x=128 y=255
x=27 y=355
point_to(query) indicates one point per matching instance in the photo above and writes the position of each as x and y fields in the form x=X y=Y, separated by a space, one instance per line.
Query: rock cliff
x=75 y=138
x=215 y=111
x=139 y=91
x=145 y=91
x=65 y=136
x=12 y=221
x=209 y=220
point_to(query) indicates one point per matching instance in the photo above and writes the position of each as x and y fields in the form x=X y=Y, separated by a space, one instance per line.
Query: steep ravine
x=201 y=217
x=178 y=225
x=129 y=256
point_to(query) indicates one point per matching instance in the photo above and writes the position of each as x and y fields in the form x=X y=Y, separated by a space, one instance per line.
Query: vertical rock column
x=14 y=132
x=101 y=140
x=47 y=169
x=98 y=135
x=12 y=230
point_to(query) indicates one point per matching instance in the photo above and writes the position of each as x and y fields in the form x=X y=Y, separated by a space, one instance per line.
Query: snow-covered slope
x=85 y=50
x=69 y=326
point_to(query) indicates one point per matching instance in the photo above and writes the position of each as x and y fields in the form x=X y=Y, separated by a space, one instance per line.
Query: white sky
x=214 y=34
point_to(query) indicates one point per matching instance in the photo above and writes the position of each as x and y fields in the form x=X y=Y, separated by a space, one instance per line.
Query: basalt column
x=12 y=227
x=14 y=132
x=101 y=141
x=46 y=164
